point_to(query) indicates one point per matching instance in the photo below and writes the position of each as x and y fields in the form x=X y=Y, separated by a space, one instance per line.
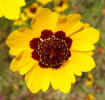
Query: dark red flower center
x=51 y=50
x=60 y=4
x=33 y=9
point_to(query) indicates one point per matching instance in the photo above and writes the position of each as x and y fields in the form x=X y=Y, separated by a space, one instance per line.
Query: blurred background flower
x=11 y=9
x=60 y=5
x=89 y=81
x=89 y=97
x=32 y=10
x=22 y=19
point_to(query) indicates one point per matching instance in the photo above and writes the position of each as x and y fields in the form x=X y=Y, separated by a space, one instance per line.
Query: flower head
x=60 y=5
x=53 y=51
x=32 y=10
x=89 y=81
x=21 y=20
x=11 y=8
x=89 y=97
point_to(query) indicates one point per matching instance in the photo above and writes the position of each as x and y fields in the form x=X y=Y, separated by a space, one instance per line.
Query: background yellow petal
x=12 y=13
x=86 y=25
x=23 y=62
x=44 y=19
x=20 y=2
x=11 y=8
x=69 y=24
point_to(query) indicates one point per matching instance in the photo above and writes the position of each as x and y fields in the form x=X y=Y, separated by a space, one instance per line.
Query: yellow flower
x=89 y=81
x=53 y=51
x=21 y=20
x=14 y=86
x=11 y=8
x=89 y=97
x=32 y=10
x=44 y=2
x=60 y=5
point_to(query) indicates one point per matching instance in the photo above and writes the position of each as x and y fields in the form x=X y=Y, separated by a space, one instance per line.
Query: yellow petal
x=20 y=2
x=11 y=9
x=69 y=24
x=86 y=25
x=38 y=78
x=81 y=47
x=16 y=50
x=46 y=79
x=23 y=62
x=88 y=35
x=26 y=67
x=62 y=78
x=90 y=53
x=19 y=40
x=80 y=62
x=44 y=19
x=84 y=40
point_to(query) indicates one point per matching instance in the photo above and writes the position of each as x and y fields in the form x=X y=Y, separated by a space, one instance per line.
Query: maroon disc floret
x=46 y=34
x=60 y=35
x=52 y=49
x=34 y=43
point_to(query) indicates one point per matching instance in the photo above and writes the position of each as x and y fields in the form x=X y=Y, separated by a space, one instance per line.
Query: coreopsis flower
x=60 y=5
x=32 y=10
x=11 y=8
x=44 y=2
x=22 y=19
x=90 y=79
x=89 y=97
x=55 y=50
x=14 y=86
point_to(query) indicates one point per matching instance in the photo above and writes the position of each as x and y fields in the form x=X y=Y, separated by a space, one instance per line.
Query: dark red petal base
x=35 y=55
x=46 y=34
x=34 y=43
x=60 y=35
x=69 y=42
